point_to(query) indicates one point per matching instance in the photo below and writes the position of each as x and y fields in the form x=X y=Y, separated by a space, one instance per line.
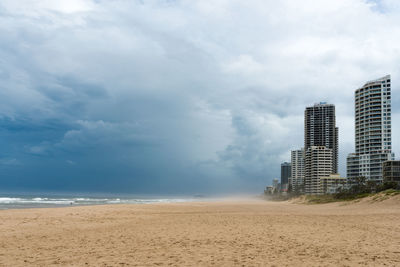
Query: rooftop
x=377 y=80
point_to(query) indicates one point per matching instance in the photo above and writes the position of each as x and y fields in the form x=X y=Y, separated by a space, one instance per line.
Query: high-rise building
x=318 y=164
x=320 y=129
x=297 y=165
x=285 y=174
x=353 y=165
x=373 y=133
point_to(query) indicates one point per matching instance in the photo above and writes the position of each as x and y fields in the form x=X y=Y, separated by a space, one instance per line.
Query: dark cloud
x=177 y=96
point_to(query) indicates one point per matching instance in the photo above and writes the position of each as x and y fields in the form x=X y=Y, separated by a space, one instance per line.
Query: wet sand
x=249 y=233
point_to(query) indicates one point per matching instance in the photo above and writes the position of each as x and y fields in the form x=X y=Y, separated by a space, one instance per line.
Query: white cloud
x=40 y=7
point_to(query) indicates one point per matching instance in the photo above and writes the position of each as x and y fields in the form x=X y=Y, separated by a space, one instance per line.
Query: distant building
x=353 y=165
x=320 y=129
x=332 y=183
x=269 y=190
x=391 y=171
x=285 y=175
x=275 y=183
x=373 y=133
x=318 y=163
x=274 y=188
x=296 y=180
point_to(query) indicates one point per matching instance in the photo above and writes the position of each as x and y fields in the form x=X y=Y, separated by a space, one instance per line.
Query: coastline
x=230 y=232
x=24 y=202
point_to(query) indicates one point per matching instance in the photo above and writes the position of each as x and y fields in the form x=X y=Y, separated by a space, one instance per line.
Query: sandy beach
x=225 y=233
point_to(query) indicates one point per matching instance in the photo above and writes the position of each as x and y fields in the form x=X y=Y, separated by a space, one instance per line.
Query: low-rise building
x=332 y=183
x=391 y=171
x=269 y=190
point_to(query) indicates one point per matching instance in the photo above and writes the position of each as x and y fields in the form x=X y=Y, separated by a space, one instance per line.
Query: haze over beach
x=145 y=132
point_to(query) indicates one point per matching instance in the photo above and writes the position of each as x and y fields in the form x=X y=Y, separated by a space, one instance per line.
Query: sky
x=180 y=97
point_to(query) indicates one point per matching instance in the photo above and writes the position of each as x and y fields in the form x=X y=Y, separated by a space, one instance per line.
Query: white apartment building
x=296 y=180
x=373 y=133
x=318 y=163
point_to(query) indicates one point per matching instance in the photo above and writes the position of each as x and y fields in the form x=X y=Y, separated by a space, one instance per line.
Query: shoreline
x=8 y=203
x=21 y=202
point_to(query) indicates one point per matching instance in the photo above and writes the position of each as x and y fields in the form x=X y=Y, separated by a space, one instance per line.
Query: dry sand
x=248 y=233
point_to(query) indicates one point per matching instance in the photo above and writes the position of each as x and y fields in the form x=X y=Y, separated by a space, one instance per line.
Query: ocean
x=21 y=201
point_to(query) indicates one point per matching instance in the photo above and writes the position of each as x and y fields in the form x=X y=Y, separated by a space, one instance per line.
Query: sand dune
x=249 y=233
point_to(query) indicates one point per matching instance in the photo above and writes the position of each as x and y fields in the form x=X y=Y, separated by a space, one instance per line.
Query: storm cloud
x=165 y=96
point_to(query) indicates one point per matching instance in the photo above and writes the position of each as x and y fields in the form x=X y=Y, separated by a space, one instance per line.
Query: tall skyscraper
x=373 y=133
x=285 y=174
x=297 y=172
x=320 y=129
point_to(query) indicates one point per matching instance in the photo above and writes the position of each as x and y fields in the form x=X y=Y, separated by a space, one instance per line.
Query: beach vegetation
x=359 y=188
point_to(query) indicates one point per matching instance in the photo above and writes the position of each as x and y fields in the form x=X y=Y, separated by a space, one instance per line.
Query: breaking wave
x=21 y=202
